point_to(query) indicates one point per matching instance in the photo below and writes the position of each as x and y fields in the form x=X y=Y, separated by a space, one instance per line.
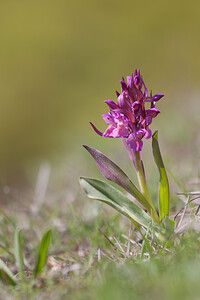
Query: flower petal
x=130 y=80
x=108 y=119
x=135 y=143
x=109 y=131
x=124 y=87
x=117 y=93
x=140 y=133
x=148 y=133
x=136 y=107
x=155 y=98
x=152 y=112
x=126 y=113
x=123 y=101
x=148 y=120
x=111 y=104
x=120 y=132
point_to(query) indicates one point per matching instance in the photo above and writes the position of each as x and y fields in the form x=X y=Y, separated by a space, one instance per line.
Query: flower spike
x=128 y=118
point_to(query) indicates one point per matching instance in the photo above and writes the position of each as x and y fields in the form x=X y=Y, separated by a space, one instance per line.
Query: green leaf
x=163 y=180
x=145 y=244
x=42 y=252
x=99 y=190
x=6 y=275
x=18 y=253
x=115 y=174
x=169 y=224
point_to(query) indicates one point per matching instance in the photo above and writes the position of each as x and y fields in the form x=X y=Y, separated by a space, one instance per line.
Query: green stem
x=142 y=183
x=141 y=176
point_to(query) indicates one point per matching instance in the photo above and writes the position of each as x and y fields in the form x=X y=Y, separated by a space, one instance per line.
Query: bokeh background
x=59 y=60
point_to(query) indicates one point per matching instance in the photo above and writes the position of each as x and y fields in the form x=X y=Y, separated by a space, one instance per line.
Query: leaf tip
x=80 y=179
x=155 y=135
x=88 y=148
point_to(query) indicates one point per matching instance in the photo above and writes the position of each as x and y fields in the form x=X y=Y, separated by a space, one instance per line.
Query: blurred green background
x=59 y=60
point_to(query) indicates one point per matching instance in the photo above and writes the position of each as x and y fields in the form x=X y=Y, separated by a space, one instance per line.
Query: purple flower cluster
x=128 y=118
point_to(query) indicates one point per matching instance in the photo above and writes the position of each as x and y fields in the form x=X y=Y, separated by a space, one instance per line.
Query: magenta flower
x=128 y=119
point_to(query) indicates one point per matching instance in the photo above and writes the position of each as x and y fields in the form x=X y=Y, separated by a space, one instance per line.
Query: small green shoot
x=18 y=253
x=42 y=252
x=6 y=275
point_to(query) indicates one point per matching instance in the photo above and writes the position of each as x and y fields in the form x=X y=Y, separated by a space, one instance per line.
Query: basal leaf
x=99 y=190
x=163 y=180
x=113 y=173
x=42 y=252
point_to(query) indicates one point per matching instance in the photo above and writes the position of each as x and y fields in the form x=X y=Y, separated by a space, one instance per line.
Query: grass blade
x=115 y=174
x=42 y=252
x=163 y=180
x=18 y=252
x=6 y=275
x=99 y=190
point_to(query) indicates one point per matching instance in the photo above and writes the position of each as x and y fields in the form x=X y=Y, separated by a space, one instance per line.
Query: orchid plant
x=130 y=121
